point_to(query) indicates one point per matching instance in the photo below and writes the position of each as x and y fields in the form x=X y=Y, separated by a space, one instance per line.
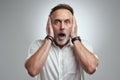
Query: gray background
x=23 y=21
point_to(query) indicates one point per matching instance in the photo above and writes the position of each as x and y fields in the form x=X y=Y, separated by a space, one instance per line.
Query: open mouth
x=61 y=36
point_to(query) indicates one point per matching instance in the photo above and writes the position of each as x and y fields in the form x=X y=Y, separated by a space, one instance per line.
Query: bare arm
x=35 y=63
x=86 y=58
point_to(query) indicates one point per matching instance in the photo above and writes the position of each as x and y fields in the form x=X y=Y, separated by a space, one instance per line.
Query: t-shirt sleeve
x=88 y=46
x=34 y=47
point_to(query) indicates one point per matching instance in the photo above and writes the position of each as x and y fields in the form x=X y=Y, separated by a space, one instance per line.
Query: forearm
x=87 y=59
x=37 y=60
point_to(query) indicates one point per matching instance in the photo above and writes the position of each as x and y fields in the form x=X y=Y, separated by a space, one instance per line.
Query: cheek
x=55 y=30
x=70 y=29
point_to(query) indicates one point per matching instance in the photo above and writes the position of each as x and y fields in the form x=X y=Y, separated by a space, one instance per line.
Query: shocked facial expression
x=62 y=25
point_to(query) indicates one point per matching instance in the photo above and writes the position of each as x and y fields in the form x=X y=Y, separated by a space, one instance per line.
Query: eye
x=57 y=22
x=67 y=22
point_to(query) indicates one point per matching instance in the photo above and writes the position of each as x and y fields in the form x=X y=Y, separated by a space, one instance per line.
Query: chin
x=63 y=42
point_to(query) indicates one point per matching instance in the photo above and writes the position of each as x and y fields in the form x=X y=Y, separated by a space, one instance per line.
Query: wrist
x=75 y=39
x=48 y=37
x=73 y=35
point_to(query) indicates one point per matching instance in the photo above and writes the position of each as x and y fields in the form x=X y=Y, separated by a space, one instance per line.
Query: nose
x=62 y=27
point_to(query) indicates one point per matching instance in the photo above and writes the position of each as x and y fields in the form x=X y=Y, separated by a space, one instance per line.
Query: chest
x=62 y=60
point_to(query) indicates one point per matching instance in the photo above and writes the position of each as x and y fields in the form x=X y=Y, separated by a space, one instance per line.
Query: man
x=55 y=57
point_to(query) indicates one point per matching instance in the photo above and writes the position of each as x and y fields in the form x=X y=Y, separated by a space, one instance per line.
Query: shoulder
x=34 y=46
x=87 y=44
x=37 y=42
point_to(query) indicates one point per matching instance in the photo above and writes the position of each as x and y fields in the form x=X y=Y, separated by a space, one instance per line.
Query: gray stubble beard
x=63 y=41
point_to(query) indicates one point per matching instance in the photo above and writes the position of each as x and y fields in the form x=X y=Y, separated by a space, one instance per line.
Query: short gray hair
x=62 y=6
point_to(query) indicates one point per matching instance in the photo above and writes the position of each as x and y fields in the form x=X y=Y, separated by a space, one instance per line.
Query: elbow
x=92 y=69
x=32 y=72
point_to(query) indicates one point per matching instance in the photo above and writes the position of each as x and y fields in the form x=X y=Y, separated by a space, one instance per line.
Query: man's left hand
x=74 y=28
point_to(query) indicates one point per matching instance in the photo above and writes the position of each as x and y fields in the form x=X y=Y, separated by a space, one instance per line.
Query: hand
x=74 y=28
x=49 y=28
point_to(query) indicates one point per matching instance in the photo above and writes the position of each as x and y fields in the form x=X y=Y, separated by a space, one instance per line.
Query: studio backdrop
x=23 y=21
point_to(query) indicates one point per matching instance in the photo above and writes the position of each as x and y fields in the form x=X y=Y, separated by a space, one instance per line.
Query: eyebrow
x=67 y=20
x=61 y=20
x=57 y=20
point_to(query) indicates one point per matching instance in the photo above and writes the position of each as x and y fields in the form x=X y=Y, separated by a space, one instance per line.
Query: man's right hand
x=74 y=28
x=49 y=28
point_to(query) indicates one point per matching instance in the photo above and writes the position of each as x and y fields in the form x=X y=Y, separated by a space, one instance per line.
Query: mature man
x=62 y=55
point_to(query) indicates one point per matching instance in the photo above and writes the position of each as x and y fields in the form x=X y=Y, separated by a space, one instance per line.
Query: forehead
x=61 y=14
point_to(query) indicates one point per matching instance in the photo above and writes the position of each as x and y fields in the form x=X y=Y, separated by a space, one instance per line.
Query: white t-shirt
x=61 y=64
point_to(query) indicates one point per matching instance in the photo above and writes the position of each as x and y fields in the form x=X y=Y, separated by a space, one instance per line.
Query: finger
x=49 y=20
x=74 y=22
x=47 y=27
x=74 y=28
